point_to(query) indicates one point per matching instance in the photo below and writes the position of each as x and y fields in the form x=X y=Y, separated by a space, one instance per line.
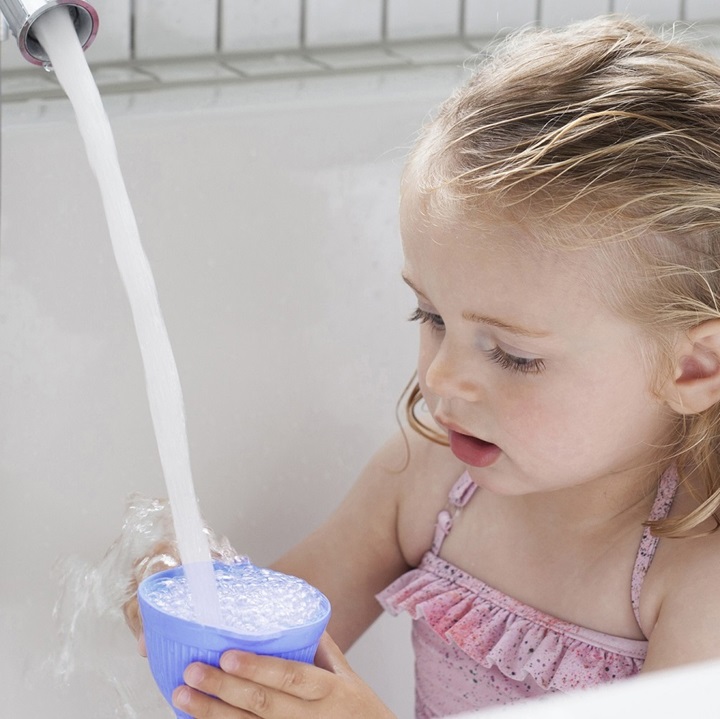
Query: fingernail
x=230 y=662
x=193 y=674
x=181 y=697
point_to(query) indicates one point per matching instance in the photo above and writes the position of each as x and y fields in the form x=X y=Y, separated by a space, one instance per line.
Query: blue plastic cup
x=173 y=642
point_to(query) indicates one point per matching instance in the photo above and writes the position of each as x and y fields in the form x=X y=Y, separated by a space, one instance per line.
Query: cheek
x=579 y=418
x=544 y=413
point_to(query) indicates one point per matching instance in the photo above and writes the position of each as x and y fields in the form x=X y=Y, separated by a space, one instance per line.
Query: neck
x=621 y=499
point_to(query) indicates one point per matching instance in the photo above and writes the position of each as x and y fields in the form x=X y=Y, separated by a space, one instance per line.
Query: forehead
x=485 y=233
x=584 y=240
x=482 y=252
x=495 y=266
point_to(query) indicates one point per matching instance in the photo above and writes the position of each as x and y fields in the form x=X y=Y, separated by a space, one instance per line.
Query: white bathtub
x=268 y=212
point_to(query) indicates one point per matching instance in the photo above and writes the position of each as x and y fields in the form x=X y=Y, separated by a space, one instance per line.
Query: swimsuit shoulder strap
x=458 y=497
x=667 y=486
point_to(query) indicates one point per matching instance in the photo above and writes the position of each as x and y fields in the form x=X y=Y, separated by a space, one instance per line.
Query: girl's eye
x=423 y=316
x=524 y=365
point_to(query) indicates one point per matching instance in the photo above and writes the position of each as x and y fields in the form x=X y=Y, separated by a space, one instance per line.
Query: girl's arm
x=356 y=553
x=378 y=532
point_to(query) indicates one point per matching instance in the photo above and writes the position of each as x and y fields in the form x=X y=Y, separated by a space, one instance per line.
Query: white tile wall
x=187 y=28
x=560 y=12
x=175 y=28
x=265 y=66
x=10 y=57
x=487 y=17
x=653 y=11
x=702 y=10
x=422 y=18
x=336 y=22
x=248 y=25
x=113 y=39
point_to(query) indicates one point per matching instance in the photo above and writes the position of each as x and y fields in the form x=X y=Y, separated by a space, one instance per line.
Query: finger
x=131 y=610
x=163 y=556
x=297 y=679
x=222 y=695
x=329 y=657
x=256 y=699
x=202 y=706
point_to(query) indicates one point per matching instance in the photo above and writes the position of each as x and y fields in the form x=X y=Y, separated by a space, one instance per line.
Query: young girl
x=552 y=525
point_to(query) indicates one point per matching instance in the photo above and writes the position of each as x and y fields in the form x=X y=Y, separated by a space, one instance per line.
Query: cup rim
x=181 y=624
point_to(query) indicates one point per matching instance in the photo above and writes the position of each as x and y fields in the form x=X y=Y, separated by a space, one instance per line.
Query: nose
x=451 y=374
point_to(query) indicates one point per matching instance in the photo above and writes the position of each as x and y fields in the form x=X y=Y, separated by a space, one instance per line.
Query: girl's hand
x=131 y=610
x=163 y=556
x=248 y=685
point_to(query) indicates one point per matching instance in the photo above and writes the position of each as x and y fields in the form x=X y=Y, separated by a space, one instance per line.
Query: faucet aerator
x=20 y=16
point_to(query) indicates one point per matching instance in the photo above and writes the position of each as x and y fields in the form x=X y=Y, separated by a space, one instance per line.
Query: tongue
x=473 y=451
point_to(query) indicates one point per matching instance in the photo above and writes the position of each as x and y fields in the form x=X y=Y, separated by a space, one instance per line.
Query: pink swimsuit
x=476 y=647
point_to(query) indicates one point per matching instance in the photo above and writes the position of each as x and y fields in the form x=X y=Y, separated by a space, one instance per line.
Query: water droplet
x=47 y=66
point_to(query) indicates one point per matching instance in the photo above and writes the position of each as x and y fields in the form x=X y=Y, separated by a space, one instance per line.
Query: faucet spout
x=21 y=14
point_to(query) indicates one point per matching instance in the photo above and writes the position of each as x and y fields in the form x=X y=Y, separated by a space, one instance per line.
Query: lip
x=450 y=427
x=473 y=451
x=467 y=448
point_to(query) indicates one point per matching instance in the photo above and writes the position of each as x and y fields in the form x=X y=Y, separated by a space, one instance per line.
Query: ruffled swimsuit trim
x=497 y=630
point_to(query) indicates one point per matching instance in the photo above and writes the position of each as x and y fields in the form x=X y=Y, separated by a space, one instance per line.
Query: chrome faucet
x=21 y=14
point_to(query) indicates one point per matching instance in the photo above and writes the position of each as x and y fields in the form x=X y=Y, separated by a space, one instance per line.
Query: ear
x=696 y=383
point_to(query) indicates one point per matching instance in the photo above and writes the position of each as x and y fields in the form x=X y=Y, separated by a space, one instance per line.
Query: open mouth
x=473 y=451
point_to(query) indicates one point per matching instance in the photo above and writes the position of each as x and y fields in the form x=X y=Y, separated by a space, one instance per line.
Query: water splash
x=95 y=645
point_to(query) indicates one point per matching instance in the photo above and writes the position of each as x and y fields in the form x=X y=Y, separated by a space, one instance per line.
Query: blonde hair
x=604 y=135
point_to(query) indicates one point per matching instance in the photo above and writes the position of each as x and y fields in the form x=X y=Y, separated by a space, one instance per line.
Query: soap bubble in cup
x=262 y=611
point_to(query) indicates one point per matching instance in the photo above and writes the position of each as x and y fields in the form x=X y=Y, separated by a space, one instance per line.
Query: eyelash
x=435 y=321
x=523 y=365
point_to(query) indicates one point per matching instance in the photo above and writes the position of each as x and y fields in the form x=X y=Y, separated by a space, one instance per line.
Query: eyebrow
x=484 y=319
x=493 y=322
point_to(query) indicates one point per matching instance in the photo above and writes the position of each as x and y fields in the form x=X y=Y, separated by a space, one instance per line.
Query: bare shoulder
x=409 y=477
x=686 y=595
x=413 y=475
x=428 y=474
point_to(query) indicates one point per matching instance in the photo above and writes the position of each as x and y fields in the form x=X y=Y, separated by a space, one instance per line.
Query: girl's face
x=539 y=384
